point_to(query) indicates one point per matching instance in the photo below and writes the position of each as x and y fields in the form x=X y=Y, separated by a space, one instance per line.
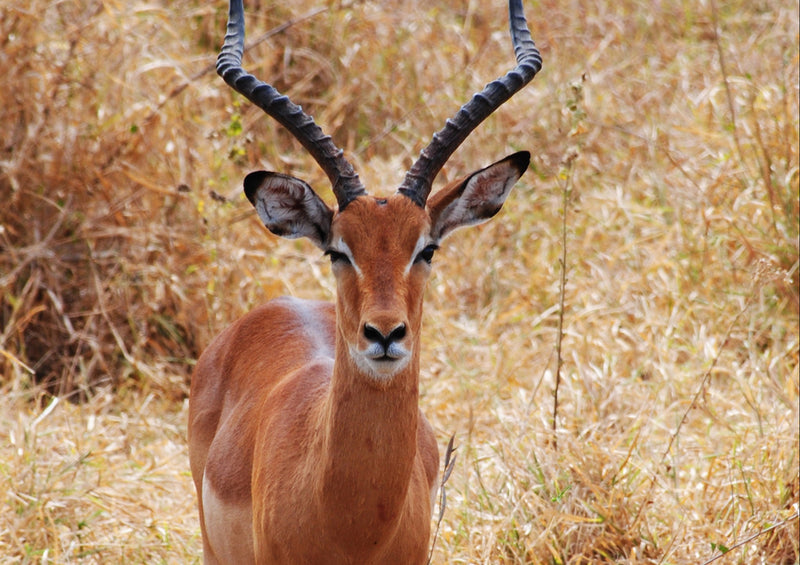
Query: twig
x=695 y=398
x=123 y=148
x=211 y=67
x=449 y=464
x=754 y=536
x=561 y=290
x=574 y=105
x=724 y=69
x=765 y=168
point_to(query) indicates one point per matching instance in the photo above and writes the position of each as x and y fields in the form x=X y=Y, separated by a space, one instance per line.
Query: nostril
x=375 y=335
x=397 y=334
x=372 y=333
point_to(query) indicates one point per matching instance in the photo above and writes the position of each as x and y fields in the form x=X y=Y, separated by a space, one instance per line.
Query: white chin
x=381 y=371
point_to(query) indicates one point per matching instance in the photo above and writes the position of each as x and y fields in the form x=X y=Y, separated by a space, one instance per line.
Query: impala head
x=380 y=248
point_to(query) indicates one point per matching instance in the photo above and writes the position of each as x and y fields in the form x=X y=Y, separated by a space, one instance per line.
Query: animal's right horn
x=345 y=181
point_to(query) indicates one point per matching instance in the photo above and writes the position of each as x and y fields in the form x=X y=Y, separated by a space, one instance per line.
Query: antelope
x=306 y=440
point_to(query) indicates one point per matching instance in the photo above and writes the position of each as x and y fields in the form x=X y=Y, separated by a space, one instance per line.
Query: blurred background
x=663 y=187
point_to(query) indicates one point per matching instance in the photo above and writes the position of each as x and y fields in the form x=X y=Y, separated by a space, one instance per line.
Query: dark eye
x=426 y=254
x=337 y=257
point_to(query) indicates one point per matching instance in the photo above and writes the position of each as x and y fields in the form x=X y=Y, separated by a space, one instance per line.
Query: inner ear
x=289 y=207
x=475 y=198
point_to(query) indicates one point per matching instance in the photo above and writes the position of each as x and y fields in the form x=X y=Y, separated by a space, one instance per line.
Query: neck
x=368 y=450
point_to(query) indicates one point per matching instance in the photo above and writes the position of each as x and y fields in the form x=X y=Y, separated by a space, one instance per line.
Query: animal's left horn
x=419 y=179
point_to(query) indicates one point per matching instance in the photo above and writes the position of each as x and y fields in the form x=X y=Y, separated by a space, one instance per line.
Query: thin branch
x=212 y=67
x=754 y=536
x=565 y=193
x=724 y=69
x=578 y=115
x=449 y=464
x=123 y=148
x=703 y=384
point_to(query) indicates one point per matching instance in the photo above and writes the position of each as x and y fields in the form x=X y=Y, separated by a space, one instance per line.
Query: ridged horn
x=419 y=179
x=344 y=180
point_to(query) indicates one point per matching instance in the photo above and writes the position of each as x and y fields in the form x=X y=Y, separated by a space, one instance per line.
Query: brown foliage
x=125 y=245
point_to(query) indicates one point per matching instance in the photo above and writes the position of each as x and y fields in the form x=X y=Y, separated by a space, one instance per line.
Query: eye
x=337 y=257
x=426 y=254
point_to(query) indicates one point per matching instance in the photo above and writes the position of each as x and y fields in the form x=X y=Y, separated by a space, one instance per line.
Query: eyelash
x=336 y=256
x=426 y=254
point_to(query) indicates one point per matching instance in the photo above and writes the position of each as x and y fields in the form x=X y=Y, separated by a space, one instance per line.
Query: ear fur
x=289 y=207
x=476 y=198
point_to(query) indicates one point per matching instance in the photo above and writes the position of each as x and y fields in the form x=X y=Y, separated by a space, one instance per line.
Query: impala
x=306 y=441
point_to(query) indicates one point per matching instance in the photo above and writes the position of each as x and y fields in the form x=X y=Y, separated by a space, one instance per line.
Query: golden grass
x=125 y=245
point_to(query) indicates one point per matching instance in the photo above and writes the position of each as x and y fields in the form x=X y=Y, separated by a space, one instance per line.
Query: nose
x=384 y=340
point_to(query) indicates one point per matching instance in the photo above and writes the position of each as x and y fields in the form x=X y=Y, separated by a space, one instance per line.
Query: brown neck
x=368 y=449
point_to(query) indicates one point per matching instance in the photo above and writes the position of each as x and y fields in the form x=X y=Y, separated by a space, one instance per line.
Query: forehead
x=381 y=222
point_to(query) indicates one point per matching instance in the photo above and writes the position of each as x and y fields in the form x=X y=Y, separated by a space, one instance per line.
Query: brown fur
x=337 y=468
x=303 y=449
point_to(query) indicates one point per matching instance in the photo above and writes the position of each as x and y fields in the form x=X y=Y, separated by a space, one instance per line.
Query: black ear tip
x=521 y=160
x=251 y=184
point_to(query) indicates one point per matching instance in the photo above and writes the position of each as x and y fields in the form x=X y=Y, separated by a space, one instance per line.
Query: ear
x=289 y=207
x=476 y=198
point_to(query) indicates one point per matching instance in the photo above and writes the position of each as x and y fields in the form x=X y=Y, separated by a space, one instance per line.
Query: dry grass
x=125 y=245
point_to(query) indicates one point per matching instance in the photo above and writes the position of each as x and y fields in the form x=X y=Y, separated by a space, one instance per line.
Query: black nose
x=385 y=340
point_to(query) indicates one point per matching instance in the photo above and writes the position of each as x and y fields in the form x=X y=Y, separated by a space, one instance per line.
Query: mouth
x=385 y=358
x=381 y=365
x=377 y=352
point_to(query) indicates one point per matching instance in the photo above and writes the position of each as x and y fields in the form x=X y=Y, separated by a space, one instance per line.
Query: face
x=381 y=251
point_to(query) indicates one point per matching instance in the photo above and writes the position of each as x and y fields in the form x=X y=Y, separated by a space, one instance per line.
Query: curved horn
x=345 y=181
x=419 y=179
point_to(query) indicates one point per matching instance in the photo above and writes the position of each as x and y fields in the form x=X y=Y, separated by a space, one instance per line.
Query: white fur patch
x=381 y=371
x=422 y=243
x=342 y=248
x=229 y=528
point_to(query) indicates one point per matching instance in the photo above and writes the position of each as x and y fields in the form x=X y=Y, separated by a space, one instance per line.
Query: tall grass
x=125 y=245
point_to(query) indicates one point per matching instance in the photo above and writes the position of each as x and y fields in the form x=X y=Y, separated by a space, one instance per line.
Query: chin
x=381 y=372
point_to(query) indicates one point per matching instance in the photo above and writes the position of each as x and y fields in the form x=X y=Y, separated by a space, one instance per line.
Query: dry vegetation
x=670 y=129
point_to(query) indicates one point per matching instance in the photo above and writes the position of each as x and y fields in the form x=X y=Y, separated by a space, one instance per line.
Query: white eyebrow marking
x=422 y=243
x=342 y=247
